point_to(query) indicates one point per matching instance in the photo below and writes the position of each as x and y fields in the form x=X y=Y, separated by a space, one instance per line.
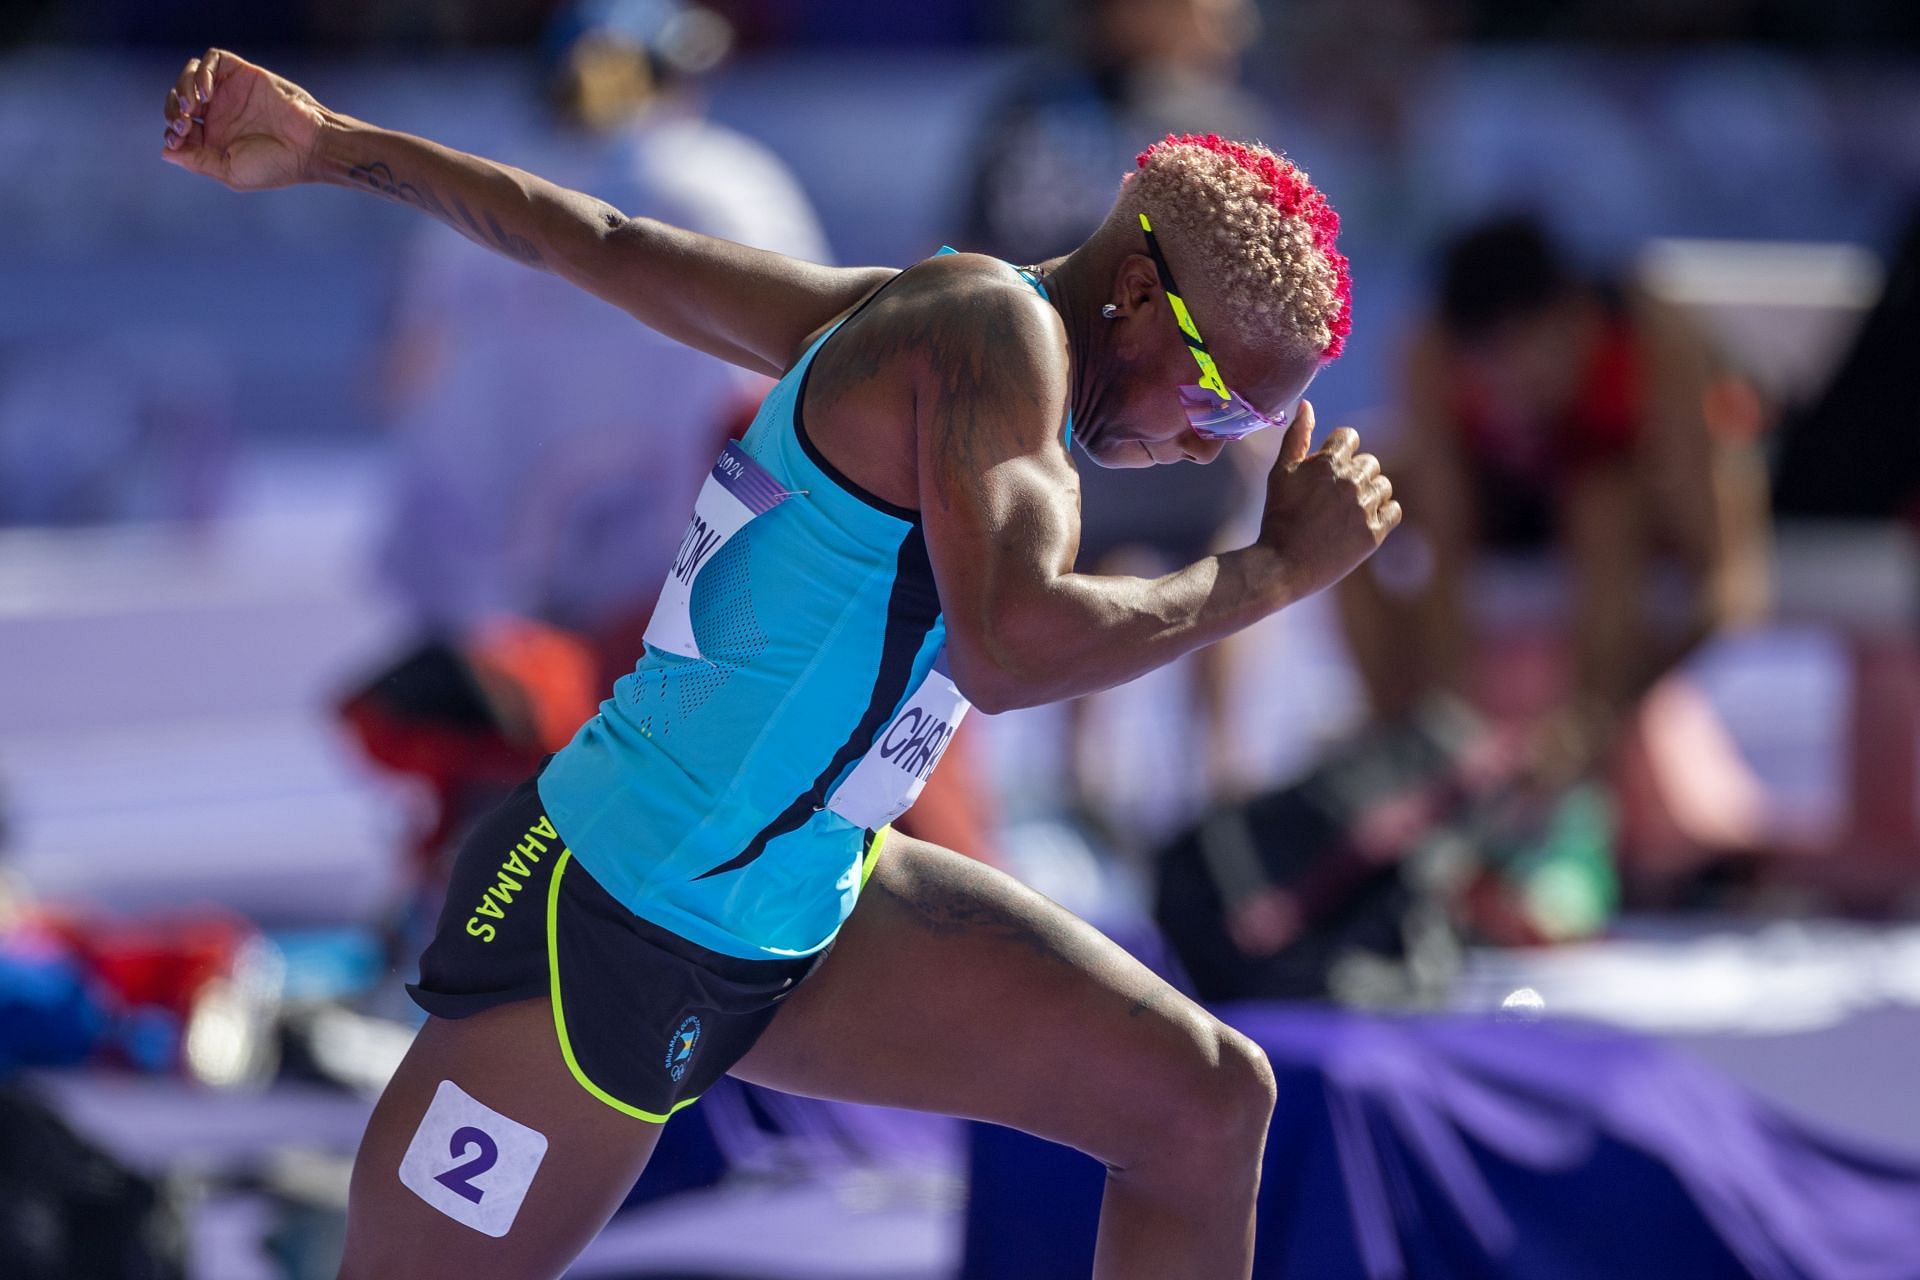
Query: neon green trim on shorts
x=873 y=855
x=560 y=1017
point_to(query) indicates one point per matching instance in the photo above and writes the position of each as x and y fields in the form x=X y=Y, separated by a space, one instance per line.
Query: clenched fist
x=1325 y=513
x=240 y=124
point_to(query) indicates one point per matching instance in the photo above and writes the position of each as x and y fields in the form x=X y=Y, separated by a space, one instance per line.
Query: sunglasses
x=1214 y=410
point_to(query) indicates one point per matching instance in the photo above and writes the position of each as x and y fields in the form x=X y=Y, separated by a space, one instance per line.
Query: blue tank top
x=791 y=700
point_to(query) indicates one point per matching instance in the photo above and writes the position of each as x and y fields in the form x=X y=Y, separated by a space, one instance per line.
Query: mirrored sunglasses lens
x=1209 y=416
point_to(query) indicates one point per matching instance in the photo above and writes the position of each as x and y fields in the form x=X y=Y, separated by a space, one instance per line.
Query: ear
x=1135 y=283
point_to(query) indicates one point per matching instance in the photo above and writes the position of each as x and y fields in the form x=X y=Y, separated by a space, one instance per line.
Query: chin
x=1121 y=455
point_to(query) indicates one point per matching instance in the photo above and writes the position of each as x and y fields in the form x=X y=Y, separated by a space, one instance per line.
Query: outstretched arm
x=999 y=506
x=250 y=129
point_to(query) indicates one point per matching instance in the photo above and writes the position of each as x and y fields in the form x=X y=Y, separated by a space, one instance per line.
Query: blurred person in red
x=1039 y=180
x=1566 y=434
x=703 y=880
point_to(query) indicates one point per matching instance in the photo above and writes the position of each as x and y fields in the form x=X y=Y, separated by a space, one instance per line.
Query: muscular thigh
x=518 y=1094
x=954 y=988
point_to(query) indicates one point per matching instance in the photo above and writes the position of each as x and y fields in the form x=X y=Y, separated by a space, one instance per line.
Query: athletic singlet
x=791 y=701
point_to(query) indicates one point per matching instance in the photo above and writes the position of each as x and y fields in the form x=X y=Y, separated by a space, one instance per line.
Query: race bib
x=889 y=777
x=738 y=490
x=470 y=1162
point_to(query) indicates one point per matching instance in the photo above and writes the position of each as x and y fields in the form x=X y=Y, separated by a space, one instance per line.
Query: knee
x=1218 y=1103
x=1240 y=1087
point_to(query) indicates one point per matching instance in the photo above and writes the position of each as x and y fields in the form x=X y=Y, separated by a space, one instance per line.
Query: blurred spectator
x=1045 y=165
x=1552 y=416
x=1051 y=152
x=549 y=449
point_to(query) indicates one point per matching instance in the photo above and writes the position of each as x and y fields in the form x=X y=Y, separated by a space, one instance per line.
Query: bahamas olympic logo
x=680 y=1047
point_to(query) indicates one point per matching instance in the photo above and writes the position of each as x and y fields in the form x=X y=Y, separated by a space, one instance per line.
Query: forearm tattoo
x=1146 y=1002
x=378 y=176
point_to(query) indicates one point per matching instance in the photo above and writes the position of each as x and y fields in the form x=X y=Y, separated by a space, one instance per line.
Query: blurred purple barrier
x=1454 y=1147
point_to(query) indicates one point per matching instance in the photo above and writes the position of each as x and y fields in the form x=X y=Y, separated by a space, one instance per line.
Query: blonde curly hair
x=1251 y=237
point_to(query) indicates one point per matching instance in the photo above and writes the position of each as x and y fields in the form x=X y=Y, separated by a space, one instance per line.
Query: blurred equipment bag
x=70 y=1212
x=1354 y=883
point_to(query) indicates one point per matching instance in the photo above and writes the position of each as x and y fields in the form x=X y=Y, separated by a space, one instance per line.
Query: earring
x=1110 y=311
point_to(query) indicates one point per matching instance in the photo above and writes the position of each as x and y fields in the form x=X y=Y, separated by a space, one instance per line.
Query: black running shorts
x=646 y=1019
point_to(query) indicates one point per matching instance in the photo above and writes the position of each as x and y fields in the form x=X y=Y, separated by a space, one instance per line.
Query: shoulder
x=990 y=368
x=975 y=306
x=961 y=328
x=981 y=278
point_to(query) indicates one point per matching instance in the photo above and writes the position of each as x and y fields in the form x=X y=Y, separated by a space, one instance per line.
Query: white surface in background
x=1786 y=977
x=159 y=1124
x=867 y=1224
x=1820 y=1017
x=1784 y=310
x=1763 y=273
x=271 y=816
x=166 y=732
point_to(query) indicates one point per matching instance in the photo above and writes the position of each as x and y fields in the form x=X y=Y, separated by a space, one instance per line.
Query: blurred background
x=1566 y=860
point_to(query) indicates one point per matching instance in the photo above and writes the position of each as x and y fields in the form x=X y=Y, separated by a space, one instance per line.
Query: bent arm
x=747 y=306
x=1024 y=629
x=1000 y=509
